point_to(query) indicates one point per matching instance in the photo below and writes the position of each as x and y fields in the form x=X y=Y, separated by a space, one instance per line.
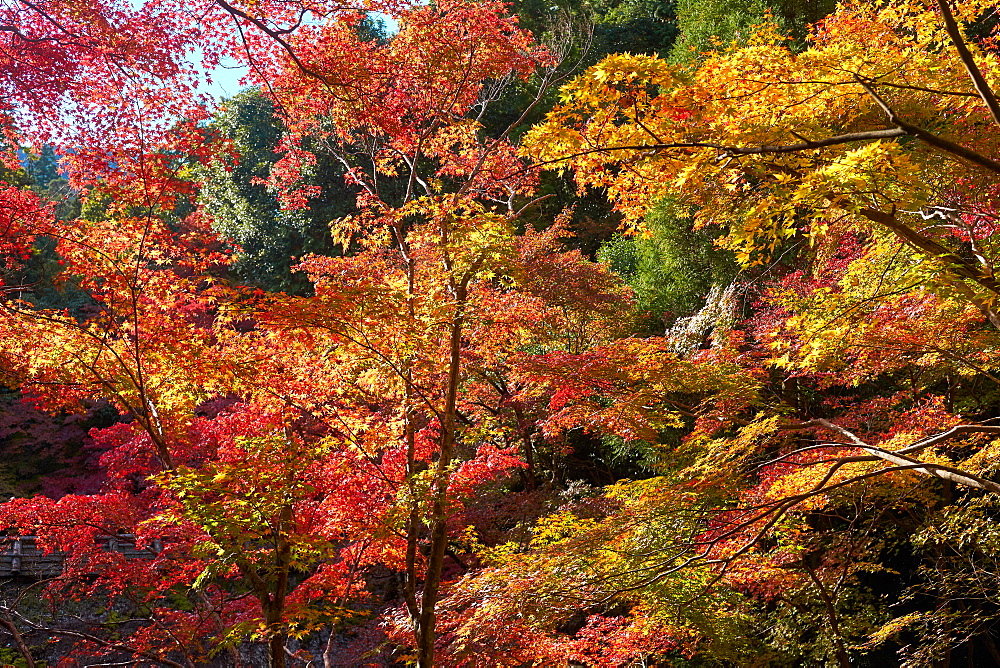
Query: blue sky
x=226 y=79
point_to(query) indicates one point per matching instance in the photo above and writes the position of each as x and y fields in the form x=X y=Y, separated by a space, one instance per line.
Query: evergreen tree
x=248 y=214
x=43 y=167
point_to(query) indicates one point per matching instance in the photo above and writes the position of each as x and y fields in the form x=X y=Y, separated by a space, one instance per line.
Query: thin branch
x=764 y=149
x=936 y=439
x=276 y=35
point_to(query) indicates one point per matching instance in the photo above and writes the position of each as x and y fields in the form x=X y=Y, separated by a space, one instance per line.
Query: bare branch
x=936 y=439
x=895 y=457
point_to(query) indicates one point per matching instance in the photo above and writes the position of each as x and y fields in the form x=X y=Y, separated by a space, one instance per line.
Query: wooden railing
x=23 y=558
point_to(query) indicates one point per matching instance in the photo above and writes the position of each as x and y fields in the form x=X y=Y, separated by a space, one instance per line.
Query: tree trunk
x=423 y=628
x=283 y=555
x=277 y=650
x=529 y=452
x=991 y=646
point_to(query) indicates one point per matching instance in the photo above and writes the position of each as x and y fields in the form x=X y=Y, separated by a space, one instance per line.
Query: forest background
x=547 y=333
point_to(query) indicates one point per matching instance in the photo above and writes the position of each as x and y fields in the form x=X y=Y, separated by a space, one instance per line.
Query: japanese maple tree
x=858 y=175
x=348 y=444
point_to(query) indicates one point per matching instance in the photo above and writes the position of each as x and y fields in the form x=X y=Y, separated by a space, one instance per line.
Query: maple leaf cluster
x=454 y=449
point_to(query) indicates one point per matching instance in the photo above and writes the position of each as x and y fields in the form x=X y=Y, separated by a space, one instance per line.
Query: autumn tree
x=417 y=305
x=279 y=449
x=866 y=165
x=391 y=440
x=765 y=191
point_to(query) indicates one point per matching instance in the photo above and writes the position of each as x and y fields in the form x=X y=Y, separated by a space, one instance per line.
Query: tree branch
x=983 y=88
x=276 y=35
x=896 y=457
x=956 y=263
x=929 y=138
